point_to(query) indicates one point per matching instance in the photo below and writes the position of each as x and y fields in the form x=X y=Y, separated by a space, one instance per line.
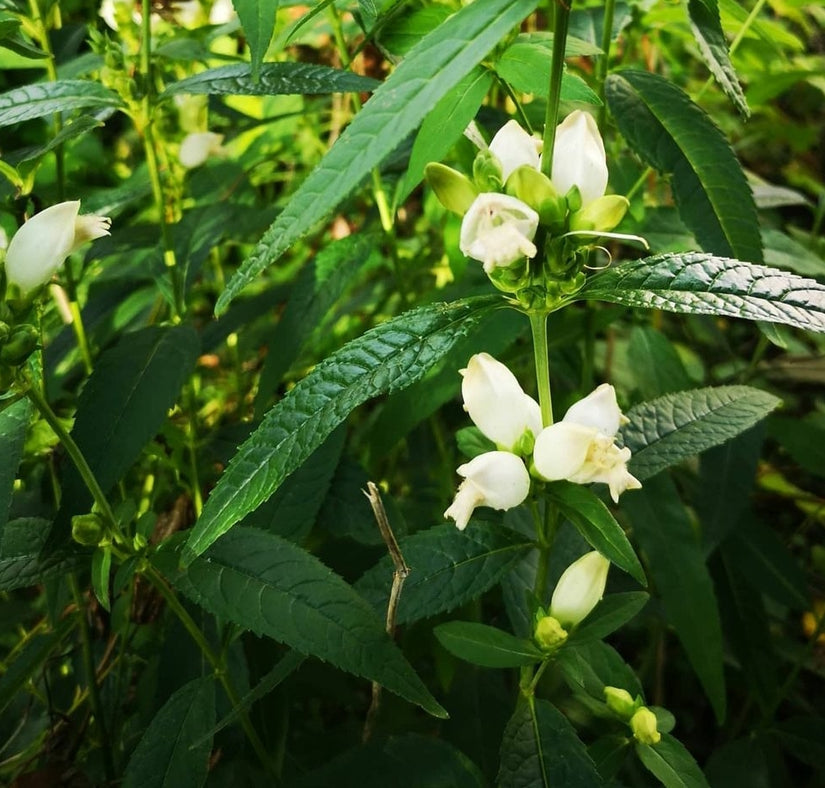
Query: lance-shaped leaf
x=274 y=79
x=46 y=98
x=675 y=136
x=667 y=430
x=486 y=646
x=258 y=21
x=437 y=63
x=671 y=763
x=385 y=359
x=13 y=423
x=273 y=587
x=704 y=284
x=449 y=568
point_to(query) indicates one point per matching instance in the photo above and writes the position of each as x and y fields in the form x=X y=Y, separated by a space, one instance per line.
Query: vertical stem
x=538 y=325
x=601 y=67
x=561 y=20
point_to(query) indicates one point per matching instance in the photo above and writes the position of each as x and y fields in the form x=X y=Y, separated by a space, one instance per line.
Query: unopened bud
x=87 y=529
x=487 y=172
x=455 y=191
x=5 y=331
x=536 y=189
x=601 y=215
x=19 y=345
x=549 y=634
x=644 y=727
x=620 y=702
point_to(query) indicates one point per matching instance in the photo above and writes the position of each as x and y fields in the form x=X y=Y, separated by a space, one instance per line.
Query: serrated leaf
x=77 y=128
x=612 y=612
x=169 y=754
x=597 y=525
x=258 y=22
x=385 y=359
x=672 y=428
x=21 y=561
x=13 y=422
x=677 y=566
x=675 y=136
x=273 y=587
x=274 y=79
x=704 y=284
x=487 y=646
x=540 y=749
x=437 y=63
x=671 y=763
x=448 y=568
x=46 y=98
x=707 y=29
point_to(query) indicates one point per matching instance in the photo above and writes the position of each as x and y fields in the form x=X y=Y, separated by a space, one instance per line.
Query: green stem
x=192 y=447
x=538 y=325
x=561 y=20
x=91 y=677
x=601 y=66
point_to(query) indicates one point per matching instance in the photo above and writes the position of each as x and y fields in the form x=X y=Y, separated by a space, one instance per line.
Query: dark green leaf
x=663 y=529
x=672 y=428
x=742 y=762
x=671 y=764
x=434 y=66
x=101 y=570
x=448 y=568
x=593 y=665
x=273 y=587
x=13 y=422
x=21 y=562
x=486 y=646
x=597 y=525
x=675 y=136
x=804 y=738
x=541 y=749
x=656 y=364
x=386 y=358
x=46 y=98
x=609 y=753
x=697 y=283
x=258 y=21
x=77 y=128
x=612 y=612
x=169 y=754
x=275 y=79
x=803 y=439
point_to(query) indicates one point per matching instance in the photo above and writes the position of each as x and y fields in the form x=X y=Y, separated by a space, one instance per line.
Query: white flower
x=41 y=245
x=579 y=157
x=496 y=402
x=514 y=147
x=197 y=147
x=498 y=230
x=579 y=589
x=222 y=11
x=496 y=479
x=580 y=447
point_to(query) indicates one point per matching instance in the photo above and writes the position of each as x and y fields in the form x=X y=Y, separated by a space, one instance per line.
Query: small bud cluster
x=642 y=721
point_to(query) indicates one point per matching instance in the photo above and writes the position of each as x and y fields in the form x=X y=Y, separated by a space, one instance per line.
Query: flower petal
x=514 y=147
x=598 y=409
x=579 y=158
x=561 y=449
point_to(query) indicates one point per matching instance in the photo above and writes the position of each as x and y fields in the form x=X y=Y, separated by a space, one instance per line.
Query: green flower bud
x=487 y=172
x=5 y=331
x=87 y=529
x=455 y=191
x=535 y=188
x=601 y=215
x=549 y=634
x=643 y=725
x=19 y=345
x=620 y=702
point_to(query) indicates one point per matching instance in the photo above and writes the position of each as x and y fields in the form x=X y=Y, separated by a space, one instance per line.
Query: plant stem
x=601 y=66
x=561 y=20
x=538 y=325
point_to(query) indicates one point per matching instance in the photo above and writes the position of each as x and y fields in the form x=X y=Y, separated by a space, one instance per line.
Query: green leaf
x=101 y=570
x=448 y=568
x=21 y=561
x=804 y=738
x=672 y=428
x=258 y=22
x=707 y=29
x=274 y=79
x=593 y=665
x=540 y=749
x=671 y=763
x=675 y=136
x=486 y=646
x=386 y=358
x=46 y=98
x=656 y=364
x=697 y=283
x=612 y=612
x=76 y=128
x=663 y=529
x=434 y=66
x=597 y=525
x=13 y=422
x=273 y=587
x=169 y=754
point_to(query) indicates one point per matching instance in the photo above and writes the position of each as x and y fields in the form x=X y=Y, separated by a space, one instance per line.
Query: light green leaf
x=437 y=63
x=275 y=588
x=273 y=79
x=597 y=525
x=670 y=429
x=172 y=752
x=671 y=764
x=540 y=749
x=46 y=98
x=448 y=568
x=487 y=646
x=698 y=283
x=675 y=136
x=13 y=422
x=385 y=359
x=258 y=22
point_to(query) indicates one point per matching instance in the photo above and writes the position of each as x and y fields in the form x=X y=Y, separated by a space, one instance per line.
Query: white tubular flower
x=514 y=147
x=496 y=479
x=222 y=11
x=496 y=402
x=41 y=245
x=579 y=158
x=498 y=230
x=197 y=147
x=579 y=589
x=580 y=447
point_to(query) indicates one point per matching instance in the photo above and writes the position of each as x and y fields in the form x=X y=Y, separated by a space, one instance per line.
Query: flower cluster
x=580 y=448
